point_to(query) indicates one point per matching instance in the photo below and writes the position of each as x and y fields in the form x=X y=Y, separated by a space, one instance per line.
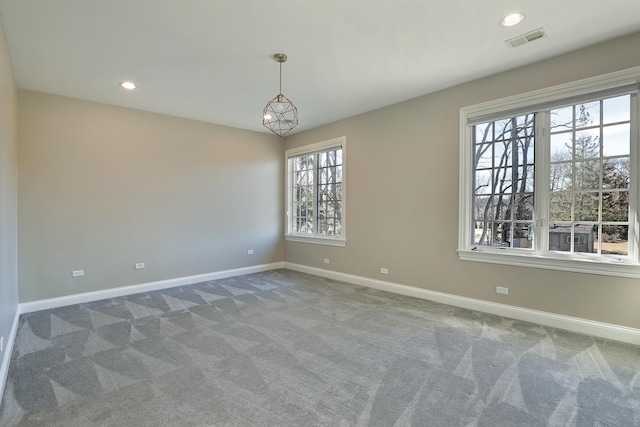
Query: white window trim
x=316 y=238
x=623 y=266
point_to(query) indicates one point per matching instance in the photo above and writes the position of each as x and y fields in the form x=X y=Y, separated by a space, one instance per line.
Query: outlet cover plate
x=502 y=290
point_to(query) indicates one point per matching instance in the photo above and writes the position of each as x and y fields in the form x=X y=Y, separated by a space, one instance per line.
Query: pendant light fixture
x=280 y=115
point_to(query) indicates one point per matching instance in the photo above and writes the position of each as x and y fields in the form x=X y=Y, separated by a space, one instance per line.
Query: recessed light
x=128 y=85
x=512 y=19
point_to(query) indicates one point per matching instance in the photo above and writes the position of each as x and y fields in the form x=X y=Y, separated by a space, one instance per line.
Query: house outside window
x=550 y=178
x=316 y=193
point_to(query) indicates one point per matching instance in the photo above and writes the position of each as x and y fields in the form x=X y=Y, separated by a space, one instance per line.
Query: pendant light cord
x=280 y=78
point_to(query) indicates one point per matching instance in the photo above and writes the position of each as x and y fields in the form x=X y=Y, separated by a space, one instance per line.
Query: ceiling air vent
x=526 y=38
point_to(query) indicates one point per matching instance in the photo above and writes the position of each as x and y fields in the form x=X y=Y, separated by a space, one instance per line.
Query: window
x=316 y=193
x=549 y=178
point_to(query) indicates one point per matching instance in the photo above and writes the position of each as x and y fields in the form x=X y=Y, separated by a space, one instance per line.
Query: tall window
x=590 y=148
x=549 y=179
x=316 y=193
x=504 y=182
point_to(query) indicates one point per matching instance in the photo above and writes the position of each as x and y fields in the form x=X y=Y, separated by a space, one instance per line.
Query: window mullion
x=541 y=188
x=290 y=199
x=314 y=189
x=634 y=180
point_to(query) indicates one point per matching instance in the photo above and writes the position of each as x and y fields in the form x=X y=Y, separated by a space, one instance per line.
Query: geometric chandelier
x=280 y=115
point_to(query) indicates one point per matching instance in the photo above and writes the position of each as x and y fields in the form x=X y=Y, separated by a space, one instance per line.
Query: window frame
x=539 y=101
x=314 y=238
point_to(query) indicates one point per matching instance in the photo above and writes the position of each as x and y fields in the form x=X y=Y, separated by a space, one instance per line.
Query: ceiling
x=211 y=60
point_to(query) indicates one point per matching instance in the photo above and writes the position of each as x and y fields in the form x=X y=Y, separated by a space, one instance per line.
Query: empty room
x=340 y=213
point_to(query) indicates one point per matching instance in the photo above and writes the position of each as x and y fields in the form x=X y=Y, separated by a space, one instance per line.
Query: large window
x=316 y=193
x=550 y=178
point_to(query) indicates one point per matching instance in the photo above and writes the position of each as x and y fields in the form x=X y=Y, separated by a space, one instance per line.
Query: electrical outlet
x=139 y=265
x=384 y=270
x=77 y=273
x=502 y=290
x=250 y=252
x=326 y=260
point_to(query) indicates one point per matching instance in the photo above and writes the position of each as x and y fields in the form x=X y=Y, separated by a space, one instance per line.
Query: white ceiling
x=211 y=60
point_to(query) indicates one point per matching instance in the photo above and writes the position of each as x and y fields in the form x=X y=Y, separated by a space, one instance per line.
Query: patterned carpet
x=283 y=348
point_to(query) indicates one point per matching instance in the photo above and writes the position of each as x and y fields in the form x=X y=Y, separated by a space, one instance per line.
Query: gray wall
x=103 y=187
x=402 y=206
x=8 y=193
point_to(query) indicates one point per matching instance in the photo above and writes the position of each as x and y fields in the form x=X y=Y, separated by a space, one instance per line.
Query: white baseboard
x=45 y=304
x=573 y=324
x=8 y=350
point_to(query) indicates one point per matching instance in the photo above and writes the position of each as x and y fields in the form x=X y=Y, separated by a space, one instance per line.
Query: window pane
x=524 y=177
x=503 y=129
x=616 y=109
x=337 y=206
x=523 y=206
x=587 y=144
x=322 y=226
x=561 y=147
x=615 y=140
x=586 y=206
x=615 y=239
x=331 y=158
x=304 y=225
x=322 y=209
x=560 y=176
x=330 y=210
x=525 y=126
x=303 y=163
x=560 y=206
x=615 y=206
x=482 y=183
x=482 y=207
x=560 y=237
x=522 y=235
x=502 y=180
x=562 y=118
x=322 y=176
x=484 y=156
x=502 y=207
x=502 y=154
x=587 y=175
x=339 y=157
x=482 y=233
x=587 y=114
x=483 y=132
x=585 y=238
x=525 y=151
x=322 y=160
x=616 y=173
x=502 y=234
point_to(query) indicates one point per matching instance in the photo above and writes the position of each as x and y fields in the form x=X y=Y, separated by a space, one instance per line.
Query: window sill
x=318 y=240
x=532 y=260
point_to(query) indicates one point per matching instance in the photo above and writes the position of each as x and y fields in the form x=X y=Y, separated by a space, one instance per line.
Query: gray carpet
x=282 y=348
